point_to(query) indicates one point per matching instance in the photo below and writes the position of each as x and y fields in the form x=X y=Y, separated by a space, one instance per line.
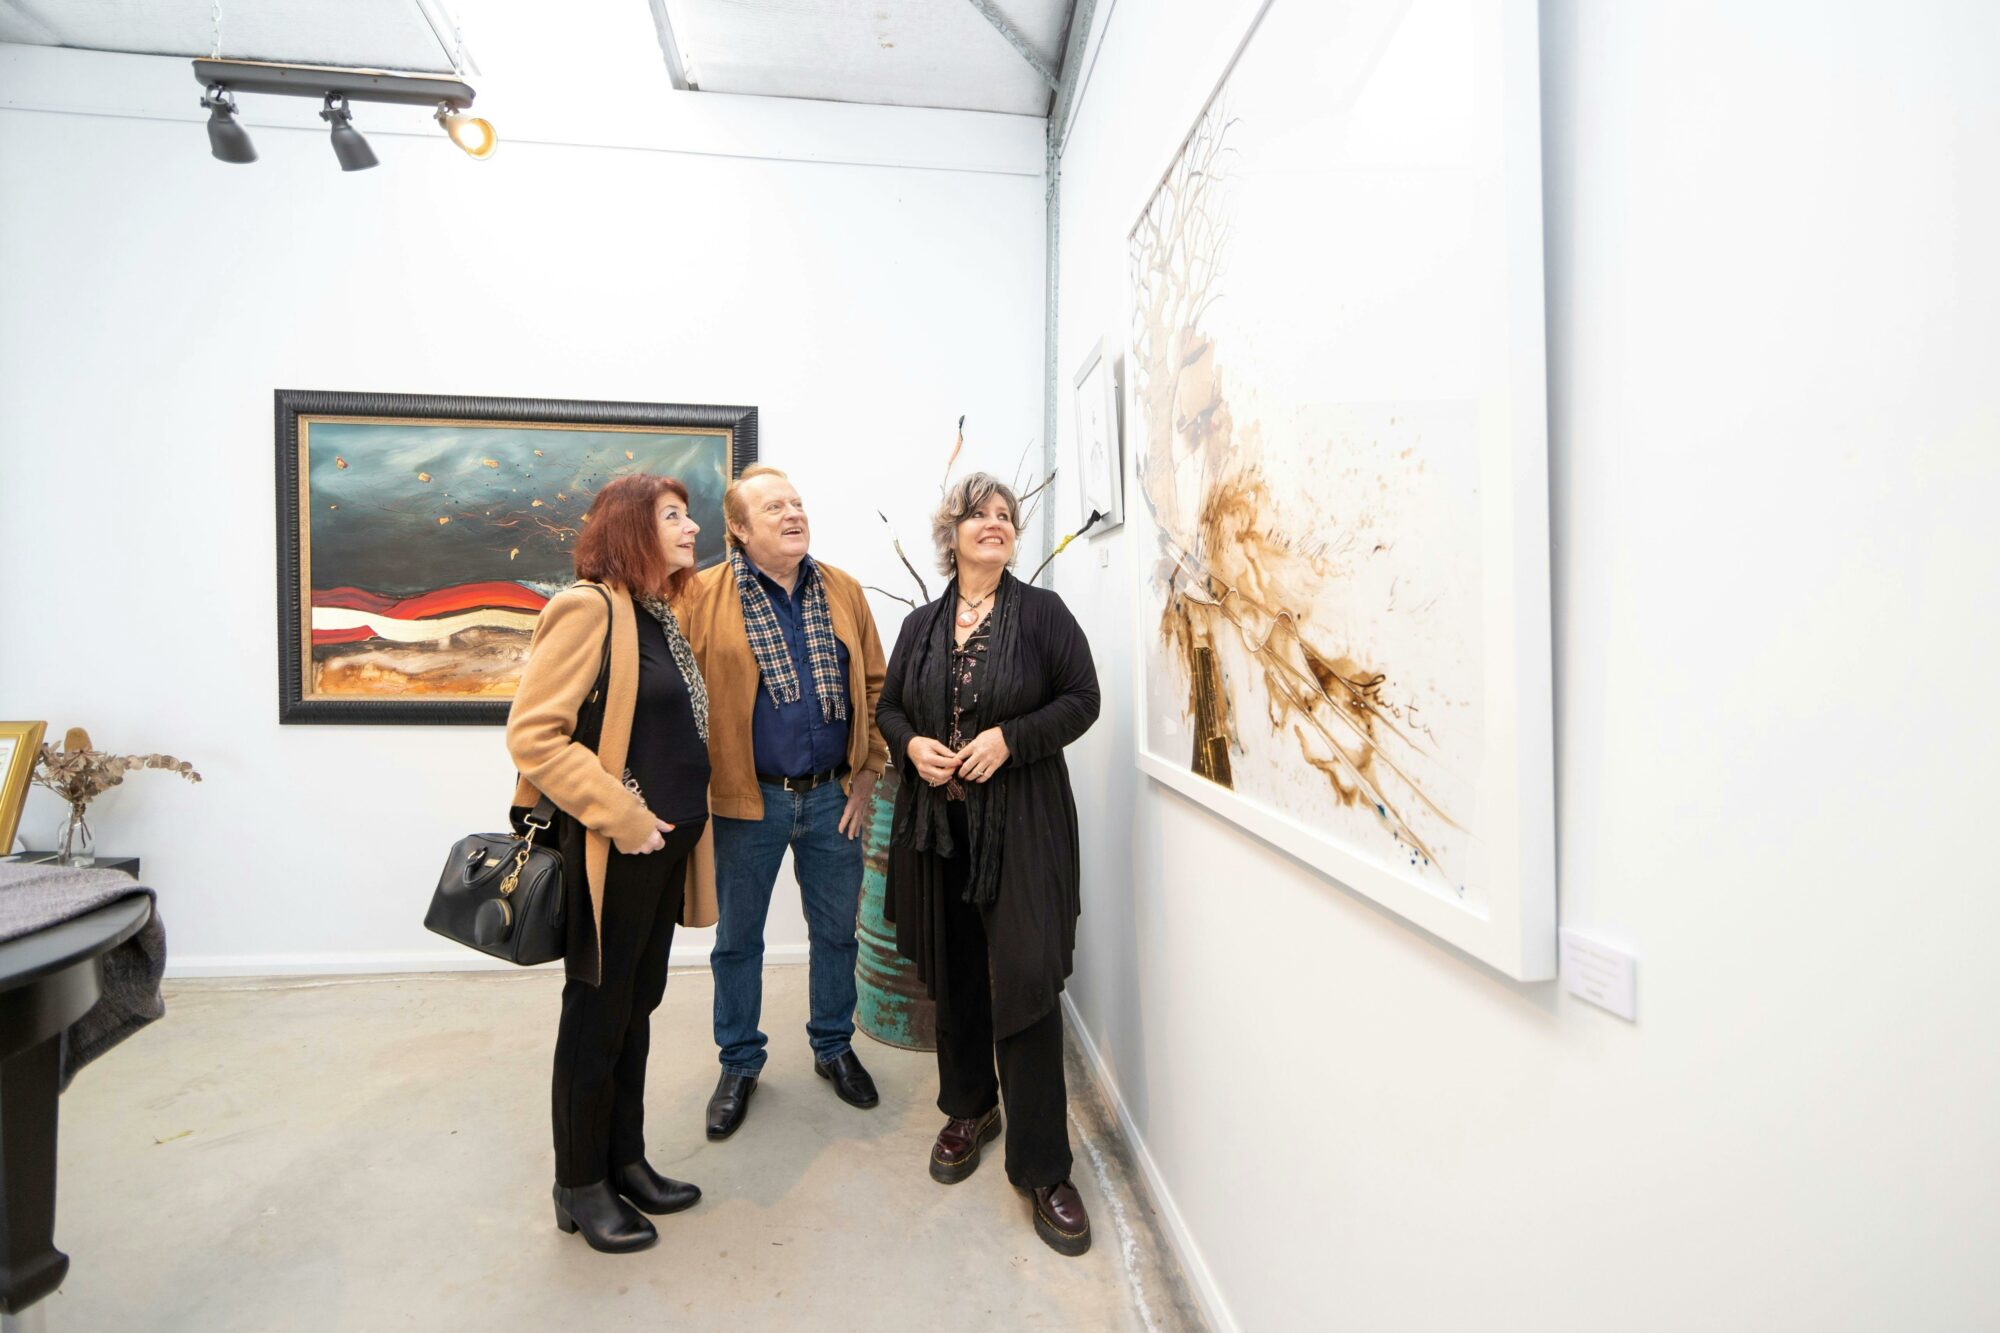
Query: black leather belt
x=805 y=783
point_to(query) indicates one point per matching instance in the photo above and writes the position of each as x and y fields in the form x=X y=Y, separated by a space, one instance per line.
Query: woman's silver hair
x=965 y=497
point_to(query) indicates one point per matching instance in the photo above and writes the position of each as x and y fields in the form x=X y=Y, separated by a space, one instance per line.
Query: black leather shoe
x=607 y=1222
x=651 y=1192
x=728 y=1104
x=850 y=1080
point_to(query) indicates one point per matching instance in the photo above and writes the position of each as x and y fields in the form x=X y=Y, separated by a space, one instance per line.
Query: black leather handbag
x=503 y=893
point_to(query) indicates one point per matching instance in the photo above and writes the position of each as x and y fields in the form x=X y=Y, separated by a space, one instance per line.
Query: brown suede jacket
x=712 y=613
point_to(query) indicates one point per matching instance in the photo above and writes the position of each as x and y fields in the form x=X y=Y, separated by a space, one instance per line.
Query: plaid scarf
x=767 y=641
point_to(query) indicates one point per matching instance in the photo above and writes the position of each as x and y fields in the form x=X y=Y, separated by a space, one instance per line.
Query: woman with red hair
x=610 y=723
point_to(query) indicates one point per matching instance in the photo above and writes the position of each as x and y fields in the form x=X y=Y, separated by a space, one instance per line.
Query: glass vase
x=75 y=844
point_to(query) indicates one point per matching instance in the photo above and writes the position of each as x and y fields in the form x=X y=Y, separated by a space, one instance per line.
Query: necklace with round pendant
x=968 y=610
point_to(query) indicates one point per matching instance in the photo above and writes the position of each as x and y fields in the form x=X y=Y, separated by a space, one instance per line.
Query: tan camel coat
x=563 y=660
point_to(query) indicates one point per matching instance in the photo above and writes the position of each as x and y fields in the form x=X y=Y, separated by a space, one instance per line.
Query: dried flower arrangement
x=79 y=775
x=1030 y=500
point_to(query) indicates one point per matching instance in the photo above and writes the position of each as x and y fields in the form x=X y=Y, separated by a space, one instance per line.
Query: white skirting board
x=1192 y=1263
x=442 y=959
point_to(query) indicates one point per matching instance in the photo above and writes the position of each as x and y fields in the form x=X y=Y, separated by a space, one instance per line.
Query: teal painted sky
x=375 y=522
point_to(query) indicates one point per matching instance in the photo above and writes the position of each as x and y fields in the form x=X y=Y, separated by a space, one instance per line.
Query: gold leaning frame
x=20 y=747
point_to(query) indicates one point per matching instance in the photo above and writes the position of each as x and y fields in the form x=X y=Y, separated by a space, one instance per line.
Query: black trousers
x=1029 y=1086
x=599 y=1094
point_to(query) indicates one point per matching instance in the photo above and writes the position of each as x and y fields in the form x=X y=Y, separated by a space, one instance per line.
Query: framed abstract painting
x=419 y=536
x=1337 y=396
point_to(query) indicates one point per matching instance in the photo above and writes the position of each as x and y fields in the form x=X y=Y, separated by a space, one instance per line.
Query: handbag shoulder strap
x=603 y=682
x=544 y=813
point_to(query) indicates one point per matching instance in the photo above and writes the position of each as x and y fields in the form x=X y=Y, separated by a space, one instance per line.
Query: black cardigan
x=1031 y=926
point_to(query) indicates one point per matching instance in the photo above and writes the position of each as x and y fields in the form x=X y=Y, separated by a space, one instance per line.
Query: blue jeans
x=828 y=866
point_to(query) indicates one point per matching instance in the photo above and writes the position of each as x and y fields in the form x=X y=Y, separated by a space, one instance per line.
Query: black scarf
x=927 y=701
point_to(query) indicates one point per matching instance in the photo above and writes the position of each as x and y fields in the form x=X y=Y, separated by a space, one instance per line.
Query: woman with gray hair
x=985 y=688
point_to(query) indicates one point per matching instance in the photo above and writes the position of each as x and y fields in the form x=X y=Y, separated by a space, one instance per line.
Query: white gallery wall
x=1773 y=273
x=862 y=275
x=1773 y=317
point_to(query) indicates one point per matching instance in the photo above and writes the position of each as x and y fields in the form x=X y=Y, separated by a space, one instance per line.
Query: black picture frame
x=297 y=410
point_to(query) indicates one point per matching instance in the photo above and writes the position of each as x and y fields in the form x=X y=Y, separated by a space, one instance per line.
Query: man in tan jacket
x=794 y=668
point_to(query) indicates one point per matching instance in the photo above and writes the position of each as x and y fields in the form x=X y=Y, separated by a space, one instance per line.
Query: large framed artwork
x=1336 y=396
x=419 y=536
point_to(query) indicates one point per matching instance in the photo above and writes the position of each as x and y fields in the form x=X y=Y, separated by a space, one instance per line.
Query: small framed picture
x=20 y=747
x=1100 y=467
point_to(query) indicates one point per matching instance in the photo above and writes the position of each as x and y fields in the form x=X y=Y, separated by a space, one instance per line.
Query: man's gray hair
x=965 y=497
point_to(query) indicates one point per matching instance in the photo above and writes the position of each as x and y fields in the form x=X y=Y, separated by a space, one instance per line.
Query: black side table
x=48 y=980
x=128 y=864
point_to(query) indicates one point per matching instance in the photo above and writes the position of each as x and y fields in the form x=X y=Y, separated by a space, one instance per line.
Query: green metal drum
x=890 y=1005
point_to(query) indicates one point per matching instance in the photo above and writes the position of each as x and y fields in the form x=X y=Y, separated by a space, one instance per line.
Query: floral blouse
x=968 y=677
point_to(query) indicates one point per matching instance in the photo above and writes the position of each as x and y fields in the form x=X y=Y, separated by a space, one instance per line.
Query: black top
x=667 y=757
x=1041 y=702
x=968 y=678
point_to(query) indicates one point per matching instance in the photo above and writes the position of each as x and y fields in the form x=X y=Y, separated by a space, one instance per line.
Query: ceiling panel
x=373 y=34
x=941 y=53
x=937 y=53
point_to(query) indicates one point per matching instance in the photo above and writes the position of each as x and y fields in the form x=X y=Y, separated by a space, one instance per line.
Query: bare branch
x=956 y=446
x=896 y=542
x=1063 y=545
x=1021 y=463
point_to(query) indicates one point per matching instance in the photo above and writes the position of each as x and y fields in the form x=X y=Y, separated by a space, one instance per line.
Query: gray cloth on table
x=35 y=897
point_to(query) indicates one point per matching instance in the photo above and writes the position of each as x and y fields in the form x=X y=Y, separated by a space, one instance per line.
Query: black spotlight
x=229 y=141
x=348 y=145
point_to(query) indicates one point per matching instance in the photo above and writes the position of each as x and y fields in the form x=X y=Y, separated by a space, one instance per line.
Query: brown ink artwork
x=1328 y=474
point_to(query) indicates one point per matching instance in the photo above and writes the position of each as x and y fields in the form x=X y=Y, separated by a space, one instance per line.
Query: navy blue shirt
x=791 y=740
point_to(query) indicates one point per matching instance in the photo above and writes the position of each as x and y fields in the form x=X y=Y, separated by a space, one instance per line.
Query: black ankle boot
x=651 y=1192
x=607 y=1222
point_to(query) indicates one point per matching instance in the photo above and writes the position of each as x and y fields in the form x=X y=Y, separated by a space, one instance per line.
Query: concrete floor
x=373 y=1153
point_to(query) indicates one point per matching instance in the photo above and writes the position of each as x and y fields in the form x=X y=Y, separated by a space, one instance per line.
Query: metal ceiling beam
x=1082 y=14
x=670 y=46
x=1006 y=28
x=445 y=29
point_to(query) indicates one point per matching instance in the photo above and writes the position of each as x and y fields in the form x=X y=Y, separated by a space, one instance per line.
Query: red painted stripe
x=469 y=597
x=359 y=634
x=493 y=595
x=352 y=599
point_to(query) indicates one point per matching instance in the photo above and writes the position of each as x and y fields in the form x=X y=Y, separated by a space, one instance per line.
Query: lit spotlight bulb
x=473 y=135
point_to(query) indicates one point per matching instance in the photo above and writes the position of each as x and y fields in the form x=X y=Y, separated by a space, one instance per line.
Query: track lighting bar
x=336 y=87
x=316 y=81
